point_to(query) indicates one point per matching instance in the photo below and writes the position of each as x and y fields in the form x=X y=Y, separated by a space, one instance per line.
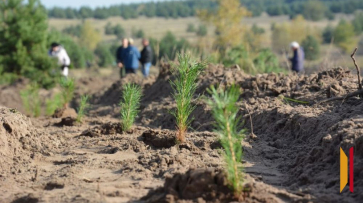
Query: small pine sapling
x=68 y=87
x=31 y=100
x=83 y=106
x=184 y=87
x=130 y=104
x=224 y=111
x=53 y=104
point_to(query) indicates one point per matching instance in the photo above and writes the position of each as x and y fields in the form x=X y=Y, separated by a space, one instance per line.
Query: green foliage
x=79 y=55
x=257 y=30
x=202 y=30
x=130 y=105
x=31 y=100
x=89 y=37
x=314 y=10
x=358 y=22
x=170 y=46
x=327 y=34
x=117 y=30
x=224 y=111
x=68 y=87
x=311 y=47
x=261 y=61
x=104 y=55
x=74 y=30
x=344 y=36
x=83 y=106
x=23 y=41
x=184 y=86
x=53 y=104
x=191 y=28
x=175 y=9
x=138 y=34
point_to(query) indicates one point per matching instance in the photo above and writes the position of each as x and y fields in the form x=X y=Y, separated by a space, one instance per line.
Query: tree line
x=310 y=9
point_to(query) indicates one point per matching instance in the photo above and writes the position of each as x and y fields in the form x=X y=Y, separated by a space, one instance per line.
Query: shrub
x=311 y=47
x=130 y=105
x=83 y=106
x=191 y=27
x=328 y=33
x=202 y=30
x=67 y=90
x=184 y=87
x=104 y=55
x=358 y=22
x=224 y=111
x=344 y=36
x=31 y=100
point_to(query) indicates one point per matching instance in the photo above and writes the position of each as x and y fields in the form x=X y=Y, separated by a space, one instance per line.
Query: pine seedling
x=130 y=104
x=224 y=111
x=184 y=87
x=53 y=104
x=31 y=100
x=83 y=106
x=67 y=90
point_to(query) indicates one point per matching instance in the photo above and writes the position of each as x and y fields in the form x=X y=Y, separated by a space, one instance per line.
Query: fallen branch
x=357 y=67
x=353 y=94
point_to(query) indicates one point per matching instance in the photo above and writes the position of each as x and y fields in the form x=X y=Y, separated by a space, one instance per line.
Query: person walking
x=58 y=51
x=130 y=58
x=146 y=58
x=297 y=61
x=119 y=55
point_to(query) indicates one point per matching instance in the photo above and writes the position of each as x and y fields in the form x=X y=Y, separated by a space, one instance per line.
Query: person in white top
x=59 y=52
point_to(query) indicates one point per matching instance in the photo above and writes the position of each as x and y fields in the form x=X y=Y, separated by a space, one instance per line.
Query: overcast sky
x=90 y=3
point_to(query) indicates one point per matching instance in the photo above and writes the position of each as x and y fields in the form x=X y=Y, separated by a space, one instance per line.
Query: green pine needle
x=184 y=87
x=130 y=105
x=82 y=108
x=68 y=87
x=224 y=110
x=31 y=100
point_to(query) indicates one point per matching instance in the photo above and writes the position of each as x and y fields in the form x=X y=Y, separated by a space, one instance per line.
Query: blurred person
x=297 y=61
x=119 y=55
x=130 y=58
x=58 y=51
x=146 y=58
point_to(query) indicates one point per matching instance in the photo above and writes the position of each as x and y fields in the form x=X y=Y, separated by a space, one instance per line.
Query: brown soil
x=293 y=158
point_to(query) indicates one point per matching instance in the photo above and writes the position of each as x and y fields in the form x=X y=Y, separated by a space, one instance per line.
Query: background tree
x=358 y=22
x=104 y=55
x=344 y=36
x=191 y=27
x=327 y=34
x=314 y=10
x=119 y=31
x=23 y=45
x=202 y=30
x=311 y=47
x=227 y=20
x=89 y=37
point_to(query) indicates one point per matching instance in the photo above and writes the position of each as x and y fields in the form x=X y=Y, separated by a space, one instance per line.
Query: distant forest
x=311 y=9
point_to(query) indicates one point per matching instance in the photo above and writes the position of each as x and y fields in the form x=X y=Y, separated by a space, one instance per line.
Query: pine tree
x=23 y=47
x=311 y=47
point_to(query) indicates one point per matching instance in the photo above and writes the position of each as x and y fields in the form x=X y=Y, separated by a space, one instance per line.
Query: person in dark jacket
x=119 y=55
x=297 y=61
x=130 y=58
x=146 y=58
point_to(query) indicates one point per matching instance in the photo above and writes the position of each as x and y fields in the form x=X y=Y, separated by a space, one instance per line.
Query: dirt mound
x=304 y=142
x=160 y=138
x=112 y=96
x=104 y=129
x=17 y=141
x=196 y=186
x=10 y=94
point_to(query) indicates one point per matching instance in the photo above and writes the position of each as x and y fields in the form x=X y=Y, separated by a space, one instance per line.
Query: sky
x=90 y=3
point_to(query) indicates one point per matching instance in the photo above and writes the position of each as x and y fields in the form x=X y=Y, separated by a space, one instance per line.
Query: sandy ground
x=293 y=157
